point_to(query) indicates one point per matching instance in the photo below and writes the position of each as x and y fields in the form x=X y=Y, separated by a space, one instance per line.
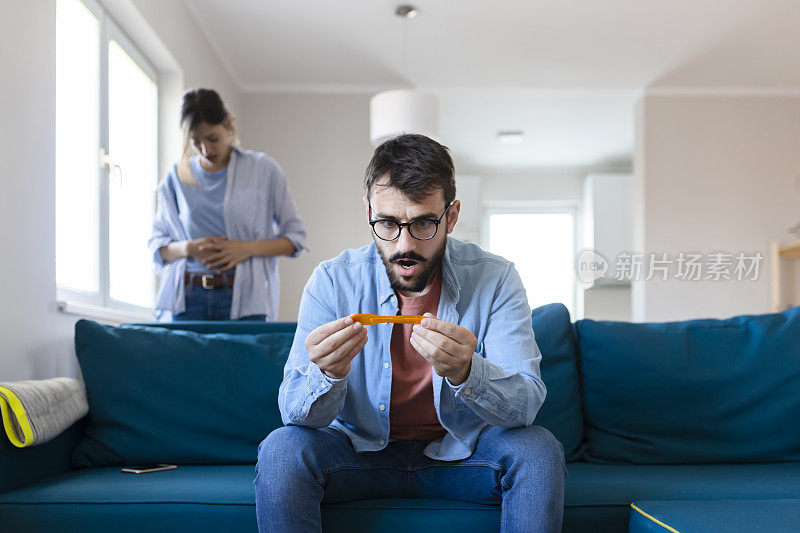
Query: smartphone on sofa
x=145 y=469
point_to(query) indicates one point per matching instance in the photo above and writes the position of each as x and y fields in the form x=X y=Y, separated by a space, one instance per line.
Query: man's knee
x=284 y=447
x=537 y=446
x=276 y=442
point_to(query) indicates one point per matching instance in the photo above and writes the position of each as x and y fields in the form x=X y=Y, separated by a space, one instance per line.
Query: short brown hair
x=416 y=165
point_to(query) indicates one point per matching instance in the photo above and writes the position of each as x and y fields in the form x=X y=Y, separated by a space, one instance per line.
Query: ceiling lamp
x=392 y=113
x=510 y=136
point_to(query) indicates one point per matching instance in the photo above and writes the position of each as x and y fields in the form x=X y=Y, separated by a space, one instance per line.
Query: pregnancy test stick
x=369 y=320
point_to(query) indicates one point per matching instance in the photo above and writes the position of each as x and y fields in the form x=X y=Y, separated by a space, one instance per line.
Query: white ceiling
x=566 y=72
x=563 y=128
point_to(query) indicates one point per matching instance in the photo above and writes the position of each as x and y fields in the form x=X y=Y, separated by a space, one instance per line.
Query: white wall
x=34 y=334
x=558 y=185
x=607 y=230
x=715 y=173
x=180 y=33
x=608 y=302
x=322 y=144
x=37 y=338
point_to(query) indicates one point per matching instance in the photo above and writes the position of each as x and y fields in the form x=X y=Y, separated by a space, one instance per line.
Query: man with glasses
x=443 y=409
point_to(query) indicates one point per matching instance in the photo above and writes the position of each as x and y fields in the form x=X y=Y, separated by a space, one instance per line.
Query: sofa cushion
x=221 y=498
x=732 y=516
x=142 y=409
x=205 y=498
x=698 y=391
x=591 y=484
x=561 y=411
x=598 y=497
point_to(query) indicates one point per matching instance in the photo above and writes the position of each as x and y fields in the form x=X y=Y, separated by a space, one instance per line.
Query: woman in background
x=224 y=216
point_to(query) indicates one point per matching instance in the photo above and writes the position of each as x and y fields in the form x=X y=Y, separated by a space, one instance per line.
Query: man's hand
x=333 y=345
x=225 y=254
x=448 y=347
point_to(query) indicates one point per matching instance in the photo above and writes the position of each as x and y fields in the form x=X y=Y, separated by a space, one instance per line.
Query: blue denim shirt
x=480 y=292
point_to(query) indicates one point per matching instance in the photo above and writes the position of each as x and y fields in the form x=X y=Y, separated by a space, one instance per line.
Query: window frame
x=99 y=304
x=537 y=208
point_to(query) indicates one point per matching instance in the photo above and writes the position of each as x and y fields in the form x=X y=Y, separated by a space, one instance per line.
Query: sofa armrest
x=23 y=466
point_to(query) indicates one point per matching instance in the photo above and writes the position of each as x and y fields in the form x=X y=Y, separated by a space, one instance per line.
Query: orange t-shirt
x=412 y=415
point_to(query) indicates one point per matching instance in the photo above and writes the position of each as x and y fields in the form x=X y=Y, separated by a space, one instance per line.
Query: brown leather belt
x=208 y=281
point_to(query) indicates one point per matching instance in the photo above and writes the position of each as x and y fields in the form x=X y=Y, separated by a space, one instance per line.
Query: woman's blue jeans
x=210 y=304
x=299 y=468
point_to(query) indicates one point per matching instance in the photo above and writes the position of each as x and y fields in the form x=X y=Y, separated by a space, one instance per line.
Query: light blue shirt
x=257 y=206
x=200 y=208
x=480 y=292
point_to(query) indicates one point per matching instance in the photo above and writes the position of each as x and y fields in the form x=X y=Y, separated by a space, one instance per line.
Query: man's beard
x=426 y=270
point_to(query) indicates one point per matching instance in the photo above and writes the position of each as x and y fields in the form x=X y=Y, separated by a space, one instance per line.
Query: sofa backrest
x=561 y=412
x=179 y=396
x=235 y=327
x=695 y=391
x=23 y=466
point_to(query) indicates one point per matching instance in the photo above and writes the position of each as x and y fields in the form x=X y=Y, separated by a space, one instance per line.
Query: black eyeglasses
x=422 y=229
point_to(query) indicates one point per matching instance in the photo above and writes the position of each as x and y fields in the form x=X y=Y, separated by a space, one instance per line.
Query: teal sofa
x=692 y=410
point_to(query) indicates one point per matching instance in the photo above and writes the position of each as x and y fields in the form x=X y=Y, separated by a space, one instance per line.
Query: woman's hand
x=203 y=249
x=225 y=254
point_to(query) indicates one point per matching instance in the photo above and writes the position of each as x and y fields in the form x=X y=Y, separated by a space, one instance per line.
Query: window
x=541 y=243
x=106 y=161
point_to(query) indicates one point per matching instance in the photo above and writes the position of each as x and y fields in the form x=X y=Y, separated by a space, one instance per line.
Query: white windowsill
x=105 y=314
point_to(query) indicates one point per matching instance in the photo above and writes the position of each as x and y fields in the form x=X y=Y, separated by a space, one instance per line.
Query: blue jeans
x=299 y=468
x=210 y=304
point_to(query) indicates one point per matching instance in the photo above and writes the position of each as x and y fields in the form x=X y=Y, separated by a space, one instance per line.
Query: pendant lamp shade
x=393 y=113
